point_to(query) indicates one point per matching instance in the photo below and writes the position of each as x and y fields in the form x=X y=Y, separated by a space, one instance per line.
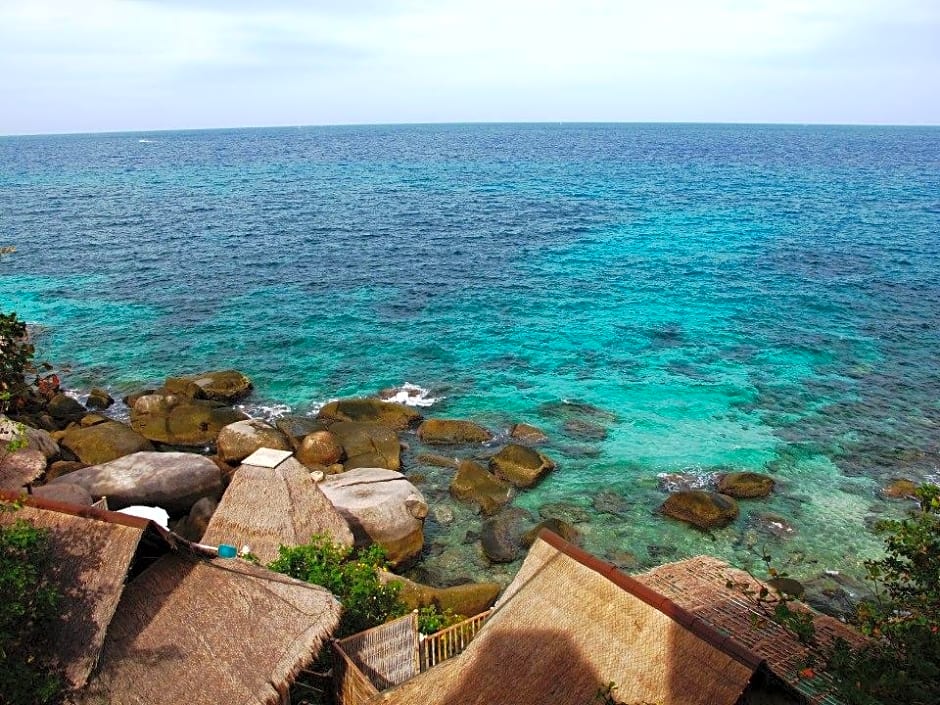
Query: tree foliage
x=352 y=576
x=902 y=663
x=16 y=355
x=27 y=609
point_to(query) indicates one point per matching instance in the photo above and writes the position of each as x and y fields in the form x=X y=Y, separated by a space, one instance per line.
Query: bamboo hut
x=266 y=508
x=207 y=632
x=93 y=553
x=567 y=625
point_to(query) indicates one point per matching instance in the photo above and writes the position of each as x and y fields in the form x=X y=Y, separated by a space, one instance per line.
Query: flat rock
x=473 y=483
x=174 y=481
x=381 y=507
x=368 y=445
x=521 y=466
x=180 y=421
x=240 y=439
x=395 y=416
x=705 y=510
x=103 y=442
x=452 y=432
x=745 y=485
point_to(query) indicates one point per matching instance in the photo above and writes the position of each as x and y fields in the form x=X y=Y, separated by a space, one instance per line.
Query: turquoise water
x=756 y=297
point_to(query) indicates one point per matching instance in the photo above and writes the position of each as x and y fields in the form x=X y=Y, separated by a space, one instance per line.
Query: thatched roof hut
x=208 y=632
x=266 y=508
x=569 y=624
x=93 y=552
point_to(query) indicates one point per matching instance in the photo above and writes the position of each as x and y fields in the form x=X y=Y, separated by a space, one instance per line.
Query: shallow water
x=761 y=298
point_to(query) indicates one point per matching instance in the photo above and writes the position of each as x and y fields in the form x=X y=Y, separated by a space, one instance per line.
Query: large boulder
x=103 y=442
x=745 y=485
x=194 y=525
x=36 y=439
x=452 y=432
x=320 y=449
x=467 y=599
x=64 y=408
x=368 y=445
x=381 y=507
x=473 y=483
x=520 y=465
x=99 y=398
x=705 y=510
x=70 y=494
x=20 y=468
x=174 y=481
x=226 y=386
x=502 y=535
x=181 y=421
x=395 y=416
x=240 y=439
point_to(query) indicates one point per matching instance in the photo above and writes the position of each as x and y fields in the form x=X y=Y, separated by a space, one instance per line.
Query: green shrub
x=16 y=355
x=902 y=663
x=27 y=609
x=352 y=576
x=431 y=619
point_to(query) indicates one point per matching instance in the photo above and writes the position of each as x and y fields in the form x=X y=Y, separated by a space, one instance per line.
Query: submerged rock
x=565 y=511
x=501 y=535
x=473 y=483
x=610 y=502
x=745 y=485
x=381 y=507
x=437 y=461
x=705 y=510
x=452 y=432
x=174 y=481
x=240 y=439
x=103 y=442
x=582 y=430
x=899 y=489
x=520 y=465
x=556 y=526
x=375 y=411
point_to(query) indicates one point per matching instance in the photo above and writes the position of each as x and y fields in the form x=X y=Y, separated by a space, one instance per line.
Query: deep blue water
x=758 y=297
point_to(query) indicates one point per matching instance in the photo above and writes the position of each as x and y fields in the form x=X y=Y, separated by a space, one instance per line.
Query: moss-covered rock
x=226 y=386
x=368 y=445
x=705 y=510
x=521 y=466
x=899 y=489
x=320 y=449
x=375 y=411
x=524 y=433
x=745 y=485
x=180 y=421
x=473 y=483
x=452 y=432
x=103 y=442
x=501 y=535
x=468 y=599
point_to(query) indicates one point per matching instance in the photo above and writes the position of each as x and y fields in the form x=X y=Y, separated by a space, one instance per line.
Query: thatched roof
x=209 y=632
x=92 y=553
x=570 y=623
x=700 y=586
x=266 y=508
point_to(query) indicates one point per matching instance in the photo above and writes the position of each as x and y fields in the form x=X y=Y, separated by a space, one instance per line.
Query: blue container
x=227 y=551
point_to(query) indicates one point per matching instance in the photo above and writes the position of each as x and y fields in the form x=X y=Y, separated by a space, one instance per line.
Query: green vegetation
x=16 y=355
x=352 y=576
x=26 y=611
x=901 y=665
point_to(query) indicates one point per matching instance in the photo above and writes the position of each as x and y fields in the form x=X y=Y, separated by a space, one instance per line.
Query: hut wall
x=386 y=655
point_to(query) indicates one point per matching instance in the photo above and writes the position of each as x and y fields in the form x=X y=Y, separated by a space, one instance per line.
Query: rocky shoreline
x=186 y=438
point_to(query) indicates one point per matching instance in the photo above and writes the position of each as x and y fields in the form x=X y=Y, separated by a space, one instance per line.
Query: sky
x=108 y=65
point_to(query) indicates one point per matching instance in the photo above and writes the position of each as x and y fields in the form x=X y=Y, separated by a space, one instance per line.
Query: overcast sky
x=93 y=65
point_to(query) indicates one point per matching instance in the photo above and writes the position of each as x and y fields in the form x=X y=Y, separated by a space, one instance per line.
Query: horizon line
x=444 y=123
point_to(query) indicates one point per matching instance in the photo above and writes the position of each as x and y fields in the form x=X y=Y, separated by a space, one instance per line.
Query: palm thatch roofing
x=209 y=632
x=92 y=553
x=570 y=623
x=700 y=585
x=266 y=508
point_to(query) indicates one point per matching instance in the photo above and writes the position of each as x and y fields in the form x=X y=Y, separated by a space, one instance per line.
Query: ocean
x=658 y=298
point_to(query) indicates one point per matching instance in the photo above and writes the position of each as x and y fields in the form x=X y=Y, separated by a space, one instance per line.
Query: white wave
x=143 y=141
x=410 y=395
x=268 y=412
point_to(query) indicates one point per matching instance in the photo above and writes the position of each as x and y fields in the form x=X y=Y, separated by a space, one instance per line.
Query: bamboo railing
x=447 y=643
